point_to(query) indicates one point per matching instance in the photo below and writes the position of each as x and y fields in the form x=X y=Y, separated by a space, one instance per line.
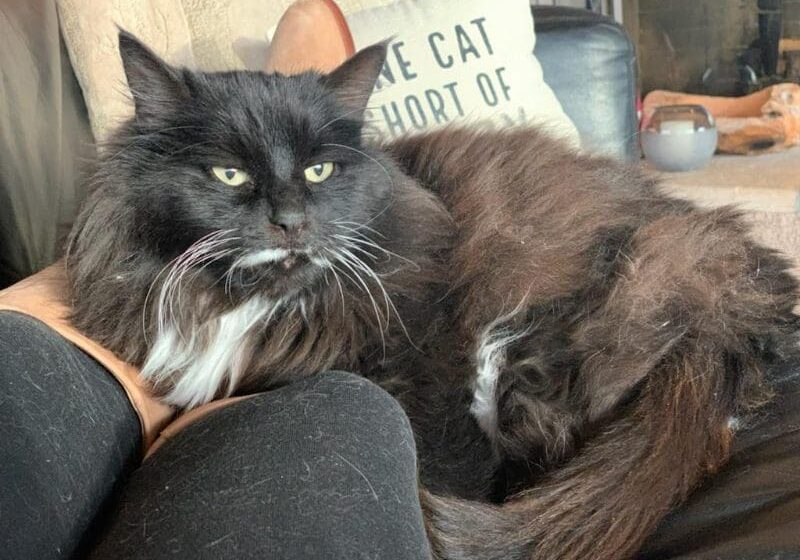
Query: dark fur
x=656 y=323
x=647 y=323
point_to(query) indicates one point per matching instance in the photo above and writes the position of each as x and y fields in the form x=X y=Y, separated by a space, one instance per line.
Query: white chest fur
x=205 y=360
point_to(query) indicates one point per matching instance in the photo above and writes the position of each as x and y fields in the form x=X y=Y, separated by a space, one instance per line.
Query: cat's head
x=260 y=175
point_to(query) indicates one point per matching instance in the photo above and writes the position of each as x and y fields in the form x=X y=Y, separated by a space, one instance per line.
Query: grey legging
x=322 y=468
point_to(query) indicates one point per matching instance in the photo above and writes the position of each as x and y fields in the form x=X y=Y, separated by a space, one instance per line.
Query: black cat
x=571 y=346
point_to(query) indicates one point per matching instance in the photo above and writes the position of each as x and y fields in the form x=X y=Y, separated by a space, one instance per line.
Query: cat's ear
x=156 y=86
x=354 y=80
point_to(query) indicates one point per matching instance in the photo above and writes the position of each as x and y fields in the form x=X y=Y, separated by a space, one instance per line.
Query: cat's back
x=514 y=163
x=530 y=204
x=504 y=180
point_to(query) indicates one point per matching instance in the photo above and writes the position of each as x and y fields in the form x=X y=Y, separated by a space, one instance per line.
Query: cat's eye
x=319 y=172
x=230 y=175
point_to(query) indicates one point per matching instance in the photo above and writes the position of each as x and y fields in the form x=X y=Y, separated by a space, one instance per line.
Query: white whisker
x=363 y=285
x=344 y=224
x=341 y=291
x=207 y=242
x=364 y=240
x=350 y=243
x=388 y=300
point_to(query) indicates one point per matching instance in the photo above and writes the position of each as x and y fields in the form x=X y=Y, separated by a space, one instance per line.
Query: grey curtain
x=44 y=136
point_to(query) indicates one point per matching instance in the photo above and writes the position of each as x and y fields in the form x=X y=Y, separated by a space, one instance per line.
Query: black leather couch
x=750 y=510
x=590 y=63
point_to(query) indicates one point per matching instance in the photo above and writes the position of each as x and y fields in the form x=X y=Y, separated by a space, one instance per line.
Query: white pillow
x=457 y=60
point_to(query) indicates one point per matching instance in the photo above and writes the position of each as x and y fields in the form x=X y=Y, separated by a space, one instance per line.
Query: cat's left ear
x=353 y=81
x=156 y=86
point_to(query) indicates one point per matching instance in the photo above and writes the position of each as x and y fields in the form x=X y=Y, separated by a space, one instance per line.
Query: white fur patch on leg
x=490 y=358
x=209 y=357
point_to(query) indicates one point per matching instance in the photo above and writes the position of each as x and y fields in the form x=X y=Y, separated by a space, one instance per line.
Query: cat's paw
x=532 y=422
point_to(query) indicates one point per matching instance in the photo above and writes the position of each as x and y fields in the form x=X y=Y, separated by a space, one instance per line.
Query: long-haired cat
x=573 y=348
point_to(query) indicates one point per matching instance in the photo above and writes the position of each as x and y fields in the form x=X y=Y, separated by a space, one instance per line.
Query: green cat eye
x=230 y=175
x=319 y=172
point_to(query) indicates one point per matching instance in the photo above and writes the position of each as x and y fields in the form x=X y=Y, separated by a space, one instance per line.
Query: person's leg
x=321 y=468
x=68 y=435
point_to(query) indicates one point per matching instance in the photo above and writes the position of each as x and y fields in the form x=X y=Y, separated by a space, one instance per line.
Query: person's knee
x=333 y=454
x=38 y=361
x=21 y=335
x=39 y=365
x=327 y=410
x=346 y=408
x=350 y=395
x=31 y=353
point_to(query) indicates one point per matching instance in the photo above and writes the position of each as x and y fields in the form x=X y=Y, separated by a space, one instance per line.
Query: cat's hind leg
x=523 y=372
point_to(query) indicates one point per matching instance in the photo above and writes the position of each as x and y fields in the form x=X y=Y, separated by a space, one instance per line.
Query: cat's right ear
x=354 y=80
x=156 y=87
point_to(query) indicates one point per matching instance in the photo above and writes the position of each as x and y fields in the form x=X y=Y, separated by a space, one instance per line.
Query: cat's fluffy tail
x=606 y=501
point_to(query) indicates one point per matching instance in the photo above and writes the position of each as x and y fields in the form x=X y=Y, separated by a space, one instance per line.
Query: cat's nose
x=291 y=222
